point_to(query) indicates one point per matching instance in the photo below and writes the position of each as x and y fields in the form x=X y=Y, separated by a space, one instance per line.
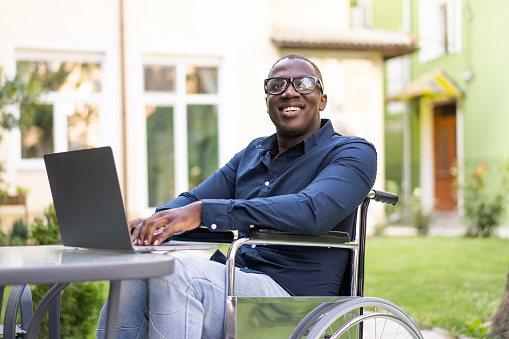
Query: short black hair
x=298 y=56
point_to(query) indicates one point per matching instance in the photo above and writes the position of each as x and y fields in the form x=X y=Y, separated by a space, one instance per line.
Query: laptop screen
x=87 y=198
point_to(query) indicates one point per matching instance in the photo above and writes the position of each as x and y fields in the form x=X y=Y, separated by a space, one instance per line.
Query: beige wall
x=319 y=14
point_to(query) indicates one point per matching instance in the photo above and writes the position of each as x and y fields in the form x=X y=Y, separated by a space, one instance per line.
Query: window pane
x=83 y=127
x=37 y=139
x=201 y=80
x=60 y=76
x=159 y=78
x=202 y=142
x=160 y=155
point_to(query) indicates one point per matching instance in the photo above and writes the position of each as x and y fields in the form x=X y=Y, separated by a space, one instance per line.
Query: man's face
x=295 y=115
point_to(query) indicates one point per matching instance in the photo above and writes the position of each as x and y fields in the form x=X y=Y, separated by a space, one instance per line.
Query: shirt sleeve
x=335 y=193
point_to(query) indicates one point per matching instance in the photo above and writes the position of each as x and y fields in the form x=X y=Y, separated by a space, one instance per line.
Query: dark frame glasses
x=302 y=84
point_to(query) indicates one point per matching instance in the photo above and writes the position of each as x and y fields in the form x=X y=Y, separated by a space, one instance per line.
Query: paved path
x=435 y=334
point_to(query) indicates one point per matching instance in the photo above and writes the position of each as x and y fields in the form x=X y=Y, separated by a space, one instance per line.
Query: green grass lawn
x=440 y=282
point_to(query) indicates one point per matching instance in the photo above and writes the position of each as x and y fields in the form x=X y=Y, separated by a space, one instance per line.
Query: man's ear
x=323 y=102
x=266 y=104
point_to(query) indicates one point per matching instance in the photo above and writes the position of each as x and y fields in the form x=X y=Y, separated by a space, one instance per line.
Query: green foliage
x=14 y=92
x=420 y=218
x=394 y=212
x=45 y=231
x=478 y=329
x=3 y=192
x=17 y=236
x=19 y=233
x=80 y=304
x=20 y=229
x=484 y=208
x=202 y=142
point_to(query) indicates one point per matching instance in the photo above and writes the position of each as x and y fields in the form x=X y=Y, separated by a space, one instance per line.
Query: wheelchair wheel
x=357 y=318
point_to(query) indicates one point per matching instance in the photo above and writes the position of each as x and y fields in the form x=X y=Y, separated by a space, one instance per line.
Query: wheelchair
x=350 y=316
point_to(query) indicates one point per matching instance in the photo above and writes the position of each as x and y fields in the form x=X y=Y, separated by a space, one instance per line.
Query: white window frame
x=37 y=51
x=431 y=33
x=179 y=58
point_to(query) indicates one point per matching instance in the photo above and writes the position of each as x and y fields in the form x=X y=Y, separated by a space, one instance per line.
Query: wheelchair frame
x=318 y=313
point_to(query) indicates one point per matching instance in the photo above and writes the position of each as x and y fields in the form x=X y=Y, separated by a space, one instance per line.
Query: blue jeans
x=189 y=303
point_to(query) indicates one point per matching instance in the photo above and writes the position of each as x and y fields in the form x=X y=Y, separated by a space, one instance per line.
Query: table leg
x=54 y=319
x=35 y=324
x=11 y=311
x=112 y=312
x=2 y=288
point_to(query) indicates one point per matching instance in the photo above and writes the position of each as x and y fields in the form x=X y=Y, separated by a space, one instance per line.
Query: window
x=181 y=101
x=439 y=28
x=360 y=14
x=67 y=115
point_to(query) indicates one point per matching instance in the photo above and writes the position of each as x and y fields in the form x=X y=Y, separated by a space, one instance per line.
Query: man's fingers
x=134 y=235
x=133 y=223
x=160 y=235
x=162 y=225
x=151 y=227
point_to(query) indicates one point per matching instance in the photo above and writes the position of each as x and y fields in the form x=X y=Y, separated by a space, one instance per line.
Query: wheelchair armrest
x=333 y=237
x=270 y=236
x=203 y=234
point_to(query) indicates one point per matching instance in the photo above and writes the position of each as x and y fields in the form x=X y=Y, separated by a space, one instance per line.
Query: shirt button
x=253 y=246
x=213 y=226
x=267 y=183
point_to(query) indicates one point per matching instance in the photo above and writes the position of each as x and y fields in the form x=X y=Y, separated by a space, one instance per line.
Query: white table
x=58 y=266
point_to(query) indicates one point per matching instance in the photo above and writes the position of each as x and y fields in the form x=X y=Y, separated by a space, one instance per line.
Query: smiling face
x=295 y=115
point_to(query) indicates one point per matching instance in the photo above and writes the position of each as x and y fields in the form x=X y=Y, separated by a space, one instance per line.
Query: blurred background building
x=176 y=87
x=447 y=101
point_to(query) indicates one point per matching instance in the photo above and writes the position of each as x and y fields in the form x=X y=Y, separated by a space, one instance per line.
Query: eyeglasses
x=303 y=85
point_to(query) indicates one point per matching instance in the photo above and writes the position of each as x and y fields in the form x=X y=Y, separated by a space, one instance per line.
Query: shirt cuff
x=216 y=215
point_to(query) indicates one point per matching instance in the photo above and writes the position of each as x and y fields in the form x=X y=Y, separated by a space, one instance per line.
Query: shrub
x=80 y=304
x=420 y=218
x=45 y=231
x=18 y=236
x=19 y=233
x=484 y=208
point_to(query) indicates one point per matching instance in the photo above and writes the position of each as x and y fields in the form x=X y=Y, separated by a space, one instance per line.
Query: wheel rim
x=348 y=320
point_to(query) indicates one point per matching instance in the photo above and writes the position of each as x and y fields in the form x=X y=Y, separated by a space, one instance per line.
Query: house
x=176 y=87
x=447 y=105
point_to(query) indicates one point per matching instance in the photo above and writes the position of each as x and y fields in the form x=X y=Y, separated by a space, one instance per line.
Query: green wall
x=388 y=14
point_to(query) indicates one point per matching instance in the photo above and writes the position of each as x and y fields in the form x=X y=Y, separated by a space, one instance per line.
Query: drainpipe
x=122 y=99
x=407 y=170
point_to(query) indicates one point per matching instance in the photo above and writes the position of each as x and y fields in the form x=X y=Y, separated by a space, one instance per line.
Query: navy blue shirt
x=311 y=188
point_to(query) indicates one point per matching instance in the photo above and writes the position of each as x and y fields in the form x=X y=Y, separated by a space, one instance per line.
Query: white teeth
x=288 y=109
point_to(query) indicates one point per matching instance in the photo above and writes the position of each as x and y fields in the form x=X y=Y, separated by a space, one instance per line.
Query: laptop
x=89 y=205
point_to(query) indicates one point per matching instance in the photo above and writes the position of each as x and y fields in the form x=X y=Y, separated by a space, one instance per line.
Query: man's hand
x=157 y=228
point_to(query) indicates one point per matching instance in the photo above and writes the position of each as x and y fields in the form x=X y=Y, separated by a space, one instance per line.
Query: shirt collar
x=325 y=132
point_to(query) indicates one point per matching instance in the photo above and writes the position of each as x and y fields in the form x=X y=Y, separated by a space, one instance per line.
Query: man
x=304 y=179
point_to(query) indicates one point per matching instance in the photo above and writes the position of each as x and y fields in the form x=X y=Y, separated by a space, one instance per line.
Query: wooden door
x=445 y=156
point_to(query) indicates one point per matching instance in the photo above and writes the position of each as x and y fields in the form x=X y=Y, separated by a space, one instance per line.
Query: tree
x=14 y=92
x=500 y=321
